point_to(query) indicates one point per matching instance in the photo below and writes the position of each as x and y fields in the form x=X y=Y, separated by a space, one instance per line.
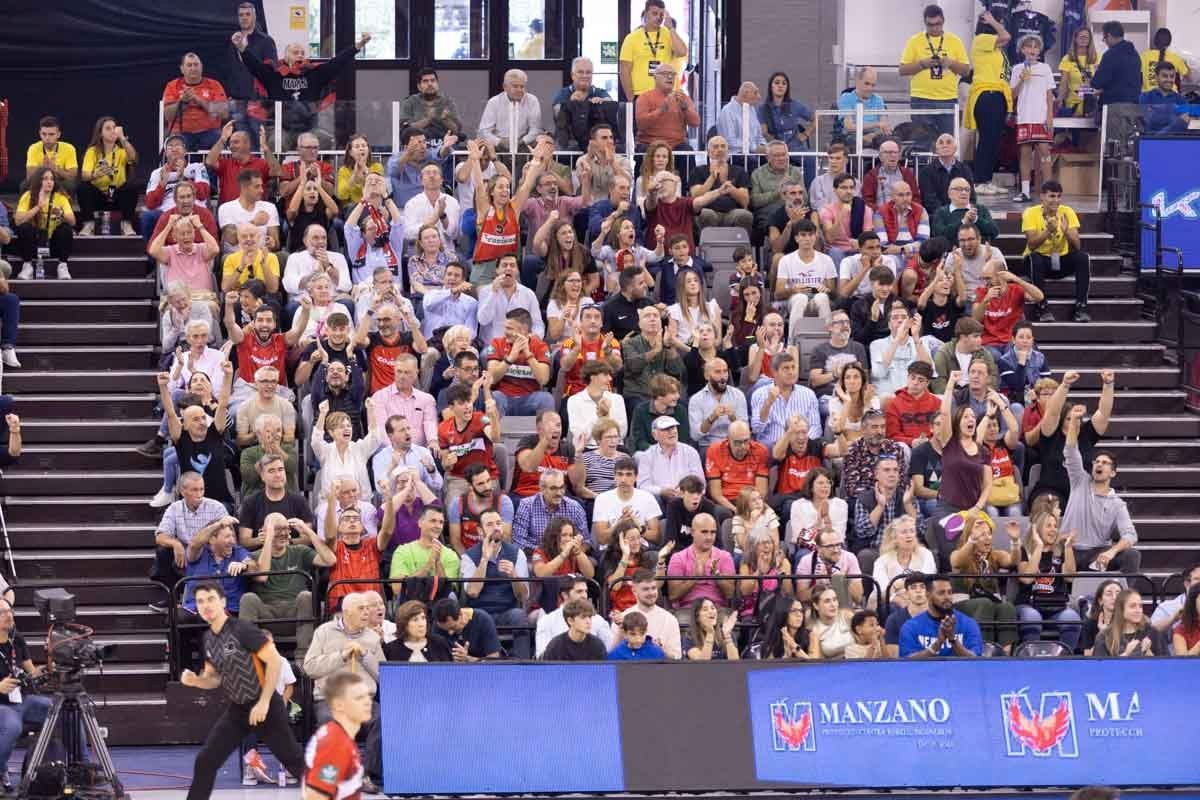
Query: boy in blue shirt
x=635 y=644
x=942 y=630
x=1159 y=104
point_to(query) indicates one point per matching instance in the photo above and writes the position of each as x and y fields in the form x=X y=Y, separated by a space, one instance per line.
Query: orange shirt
x=195 y=119
x=736 y=475
x=670 y=126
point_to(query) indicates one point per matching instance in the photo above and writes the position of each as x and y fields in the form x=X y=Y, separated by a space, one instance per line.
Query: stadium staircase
x=77 y=502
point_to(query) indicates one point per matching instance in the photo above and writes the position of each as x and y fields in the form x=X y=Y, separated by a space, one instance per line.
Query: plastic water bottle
x=282 y=778
x=106 y=223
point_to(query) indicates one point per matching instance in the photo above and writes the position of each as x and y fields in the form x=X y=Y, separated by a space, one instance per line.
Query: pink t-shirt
x=684 y=563
x=191 y=268
x=847 y=564
x=832 y=215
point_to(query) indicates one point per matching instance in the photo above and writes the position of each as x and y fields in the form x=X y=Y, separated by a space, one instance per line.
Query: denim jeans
x=170 y=468
x=10 y=315
x=1068 y=623
x=524 y=406
x=942 y=123
x=31 y=711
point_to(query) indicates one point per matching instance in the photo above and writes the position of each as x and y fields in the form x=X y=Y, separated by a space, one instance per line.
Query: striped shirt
x=600 y=476
x=183 y=523
x=801 y=402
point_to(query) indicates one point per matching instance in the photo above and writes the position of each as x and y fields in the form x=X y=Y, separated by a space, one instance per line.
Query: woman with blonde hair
x=982 y=598
x=693 y=306
x=830 y=634
x=1047 y=556
x=901 y=553
x=657 y=158
x=1130 y=633
x=752 y=516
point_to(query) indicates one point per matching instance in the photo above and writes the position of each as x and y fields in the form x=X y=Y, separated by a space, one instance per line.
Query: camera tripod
x=74 y=707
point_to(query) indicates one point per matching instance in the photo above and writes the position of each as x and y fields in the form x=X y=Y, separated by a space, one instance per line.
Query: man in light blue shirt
x=773 y=405
x=874 y=127
x=713 y=408
x=450 y=305
x=404 y=167
x=738 y=122
x=503 y=295
x=891 y=355
x=403 y=452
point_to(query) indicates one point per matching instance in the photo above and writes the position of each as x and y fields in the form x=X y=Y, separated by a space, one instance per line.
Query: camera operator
x=16 y=709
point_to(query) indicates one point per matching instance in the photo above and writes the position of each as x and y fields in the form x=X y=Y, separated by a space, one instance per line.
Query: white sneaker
x=26 y=273
x=162 y=499
x=127 y=229
x=9 y=356
x=988 y=188
x=248 y=778
x=64 y=274
x=88 y=229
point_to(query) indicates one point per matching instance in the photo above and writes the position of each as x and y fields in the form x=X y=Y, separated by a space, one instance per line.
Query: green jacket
x=946 y=222
x=764 y=185
x=945 y=362
x=639 y=369
x=640 y=438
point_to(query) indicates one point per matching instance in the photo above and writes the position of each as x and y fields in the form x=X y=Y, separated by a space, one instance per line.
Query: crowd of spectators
x=502 y=393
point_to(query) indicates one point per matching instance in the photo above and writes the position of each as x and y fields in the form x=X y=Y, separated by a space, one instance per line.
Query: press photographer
x=18 y=708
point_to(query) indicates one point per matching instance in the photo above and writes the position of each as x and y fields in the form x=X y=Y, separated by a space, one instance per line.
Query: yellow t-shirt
x=645 y=52
x=60 y=201
x=1150 y=64
x=923 y=84
x=991 y=74
x=257 y=270
x=1068 y=67
x=348 y=192
x=116 y=160
x=64 y=156
x=1033 y=220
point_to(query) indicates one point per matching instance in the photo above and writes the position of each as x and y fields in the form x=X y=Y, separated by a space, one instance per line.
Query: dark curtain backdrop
x=82 y=59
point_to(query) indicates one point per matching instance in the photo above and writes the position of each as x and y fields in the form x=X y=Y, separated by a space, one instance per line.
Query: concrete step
x=1104 y=265
x=97 y=333
x=109 y=266
x=51 y=565
x=97 y=246
x=1102 y=309
x=129 y=649
x=1160 y=475
x=74 y=457
x=101 y=407
x=108 y=288
x=1161 y=426
x=49 y=358
x=1092 y=243
x=1157 y=526
x=1137 y=403
x=72 y=537
x=1164 y=503
x=1009 y=222
x=26 y=381
x=1126 y=377
x=1168 y=556
x=1179 y=454
x=137 y=483
x=132 y=597
x=1096 y=331
x=63 y=312
x=25 y=509
x=42 y=431
x=1081 y=356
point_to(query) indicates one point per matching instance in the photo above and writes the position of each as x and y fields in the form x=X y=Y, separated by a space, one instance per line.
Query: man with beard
x=388 y=343
x=261 y=345
x=941 y=630
x=464 y=510
x=622 y=312
x=540 y=451
x=972 y=257
x=403 y=452
x=343 y=387
x=268 y=440
x=227 y=168
x=160 y=191
x=200 y=444
x=858 y=469
x=465 y=438
x=503 y=295
x=715 y=407
x=185 y=206
x=243 y=661
x=331 y=348
x=430 y=109
x=274 y=498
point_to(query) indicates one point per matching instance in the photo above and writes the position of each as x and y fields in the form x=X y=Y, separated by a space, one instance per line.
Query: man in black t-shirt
x=578 y=643
x=243 y=662
x=200 y=444
x=680 y=511
x=274 y=498
x=732 y=208
x=17 y=709
x=470 y=631
x=621 y=310
x=1050 y=438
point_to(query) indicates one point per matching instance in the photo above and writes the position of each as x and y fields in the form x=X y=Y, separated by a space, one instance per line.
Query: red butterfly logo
x=1036 y=733
x=793 y=733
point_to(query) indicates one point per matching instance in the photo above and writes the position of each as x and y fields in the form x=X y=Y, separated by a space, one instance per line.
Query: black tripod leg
x=87 y=715
x=39 y=747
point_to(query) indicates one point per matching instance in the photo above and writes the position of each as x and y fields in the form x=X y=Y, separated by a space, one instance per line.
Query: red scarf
x=383 y=242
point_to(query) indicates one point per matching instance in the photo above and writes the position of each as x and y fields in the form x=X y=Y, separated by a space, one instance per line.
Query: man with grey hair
x=268 y=435
x=179 y=313
x=580 y=106
x=308 y=167
x=265 y=400
x=316 y=257
x=289 y=546
x=535 y=512
x=737 y=121
x=874 y=125
x=767 y=182
x=877 y=183
x=512 y=119
x=275 y=497
x=732 y=207
x=182 y=521
x=664 y=112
